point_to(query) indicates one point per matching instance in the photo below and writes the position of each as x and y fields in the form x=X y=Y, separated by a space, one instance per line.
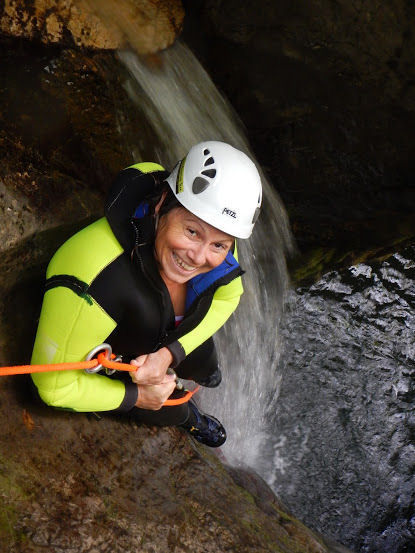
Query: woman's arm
x=224 y=303
x=78 y=391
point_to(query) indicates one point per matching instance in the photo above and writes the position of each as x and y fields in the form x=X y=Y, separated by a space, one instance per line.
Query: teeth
x=182 y=264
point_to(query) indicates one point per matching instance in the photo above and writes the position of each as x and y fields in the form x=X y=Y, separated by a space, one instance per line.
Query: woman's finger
x=153 y=369
x=139 y=361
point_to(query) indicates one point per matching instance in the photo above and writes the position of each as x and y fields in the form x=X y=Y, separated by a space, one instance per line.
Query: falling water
x=183 y=107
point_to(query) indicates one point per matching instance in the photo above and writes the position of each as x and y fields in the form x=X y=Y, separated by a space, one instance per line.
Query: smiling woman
x=156 y=278
x=186 y=246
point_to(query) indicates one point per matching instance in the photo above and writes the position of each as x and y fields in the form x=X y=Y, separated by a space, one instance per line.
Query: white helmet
x=220 y=185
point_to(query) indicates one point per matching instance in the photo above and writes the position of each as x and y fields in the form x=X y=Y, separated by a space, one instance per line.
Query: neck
x=177 y=293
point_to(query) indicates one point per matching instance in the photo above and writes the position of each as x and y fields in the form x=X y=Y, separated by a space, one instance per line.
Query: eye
x=191 y=231
x=220 y=246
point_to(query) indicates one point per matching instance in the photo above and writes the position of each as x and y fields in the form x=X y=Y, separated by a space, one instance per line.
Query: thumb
x=139 y=361
x=169 y=377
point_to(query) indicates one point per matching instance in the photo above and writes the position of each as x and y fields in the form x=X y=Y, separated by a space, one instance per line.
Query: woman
x=156 y=278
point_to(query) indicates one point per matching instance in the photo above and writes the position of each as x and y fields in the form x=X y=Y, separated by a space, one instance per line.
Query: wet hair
x=169 y=203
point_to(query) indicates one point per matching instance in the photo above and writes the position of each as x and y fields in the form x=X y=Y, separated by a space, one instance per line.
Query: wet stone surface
x=344 y=427
x=69 y=482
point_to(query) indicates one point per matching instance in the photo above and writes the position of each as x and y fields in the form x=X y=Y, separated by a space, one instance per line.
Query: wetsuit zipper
x=163 y=334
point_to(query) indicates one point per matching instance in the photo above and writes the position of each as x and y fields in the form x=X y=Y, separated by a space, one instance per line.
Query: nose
x=197 y=254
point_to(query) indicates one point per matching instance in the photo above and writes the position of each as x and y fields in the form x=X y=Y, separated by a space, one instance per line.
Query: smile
x=182 y=264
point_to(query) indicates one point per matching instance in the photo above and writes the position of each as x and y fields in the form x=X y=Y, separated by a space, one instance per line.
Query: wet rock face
x=77 y=484
x=326 y=90
x=147 y=25
x=60 y=148
x=344 y=426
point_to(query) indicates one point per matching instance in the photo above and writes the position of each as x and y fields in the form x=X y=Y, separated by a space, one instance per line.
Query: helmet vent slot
x=209 y=173
x=199 y=185
x=209 y=161
x=206 y=152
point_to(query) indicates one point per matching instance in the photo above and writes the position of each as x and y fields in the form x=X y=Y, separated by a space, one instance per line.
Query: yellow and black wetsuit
x=103 y=285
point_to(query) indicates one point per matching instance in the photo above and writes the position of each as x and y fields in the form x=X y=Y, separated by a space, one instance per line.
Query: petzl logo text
x=229 y=212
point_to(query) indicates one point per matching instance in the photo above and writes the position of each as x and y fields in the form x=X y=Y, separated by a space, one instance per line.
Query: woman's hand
x=153 y=396
x=151 y=368
x=154 y=385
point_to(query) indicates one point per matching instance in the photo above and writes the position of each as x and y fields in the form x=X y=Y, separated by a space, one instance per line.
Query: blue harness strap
x=197 y=285
x=141 y=211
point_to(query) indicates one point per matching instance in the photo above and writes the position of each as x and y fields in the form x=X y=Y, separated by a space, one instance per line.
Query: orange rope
x=26 y=369
x=100 y=360
x=181 y=400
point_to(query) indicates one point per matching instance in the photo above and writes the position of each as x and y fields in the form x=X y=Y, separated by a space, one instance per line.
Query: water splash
x=183 y=107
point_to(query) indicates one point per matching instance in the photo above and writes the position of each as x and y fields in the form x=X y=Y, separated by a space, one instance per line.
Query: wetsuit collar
x=200 y=283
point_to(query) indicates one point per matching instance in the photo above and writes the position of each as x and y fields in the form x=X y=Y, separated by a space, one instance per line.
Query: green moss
x=308 y=268
x=10 y=496
x=8 y=519
x=311 y=266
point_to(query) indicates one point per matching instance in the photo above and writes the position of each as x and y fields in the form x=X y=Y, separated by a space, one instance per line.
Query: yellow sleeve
x=71 y=325
x=69 y=328
x=78 y=391
x=224 y=303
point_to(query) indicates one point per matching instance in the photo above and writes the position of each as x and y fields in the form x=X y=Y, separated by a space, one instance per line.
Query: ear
x=158 y=206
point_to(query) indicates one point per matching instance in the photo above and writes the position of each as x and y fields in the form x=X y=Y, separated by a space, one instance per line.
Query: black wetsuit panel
x=136 y=306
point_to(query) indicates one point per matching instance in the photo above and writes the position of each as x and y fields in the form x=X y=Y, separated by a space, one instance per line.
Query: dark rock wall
x=59 y=150
x=327 y=92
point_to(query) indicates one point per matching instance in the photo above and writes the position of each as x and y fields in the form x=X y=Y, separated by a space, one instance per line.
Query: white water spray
x=183 y=107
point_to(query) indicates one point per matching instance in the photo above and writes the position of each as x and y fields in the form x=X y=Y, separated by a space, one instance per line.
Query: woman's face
x=186 y=246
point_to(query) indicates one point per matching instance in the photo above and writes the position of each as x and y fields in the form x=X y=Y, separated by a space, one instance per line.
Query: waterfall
x=182 y=107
